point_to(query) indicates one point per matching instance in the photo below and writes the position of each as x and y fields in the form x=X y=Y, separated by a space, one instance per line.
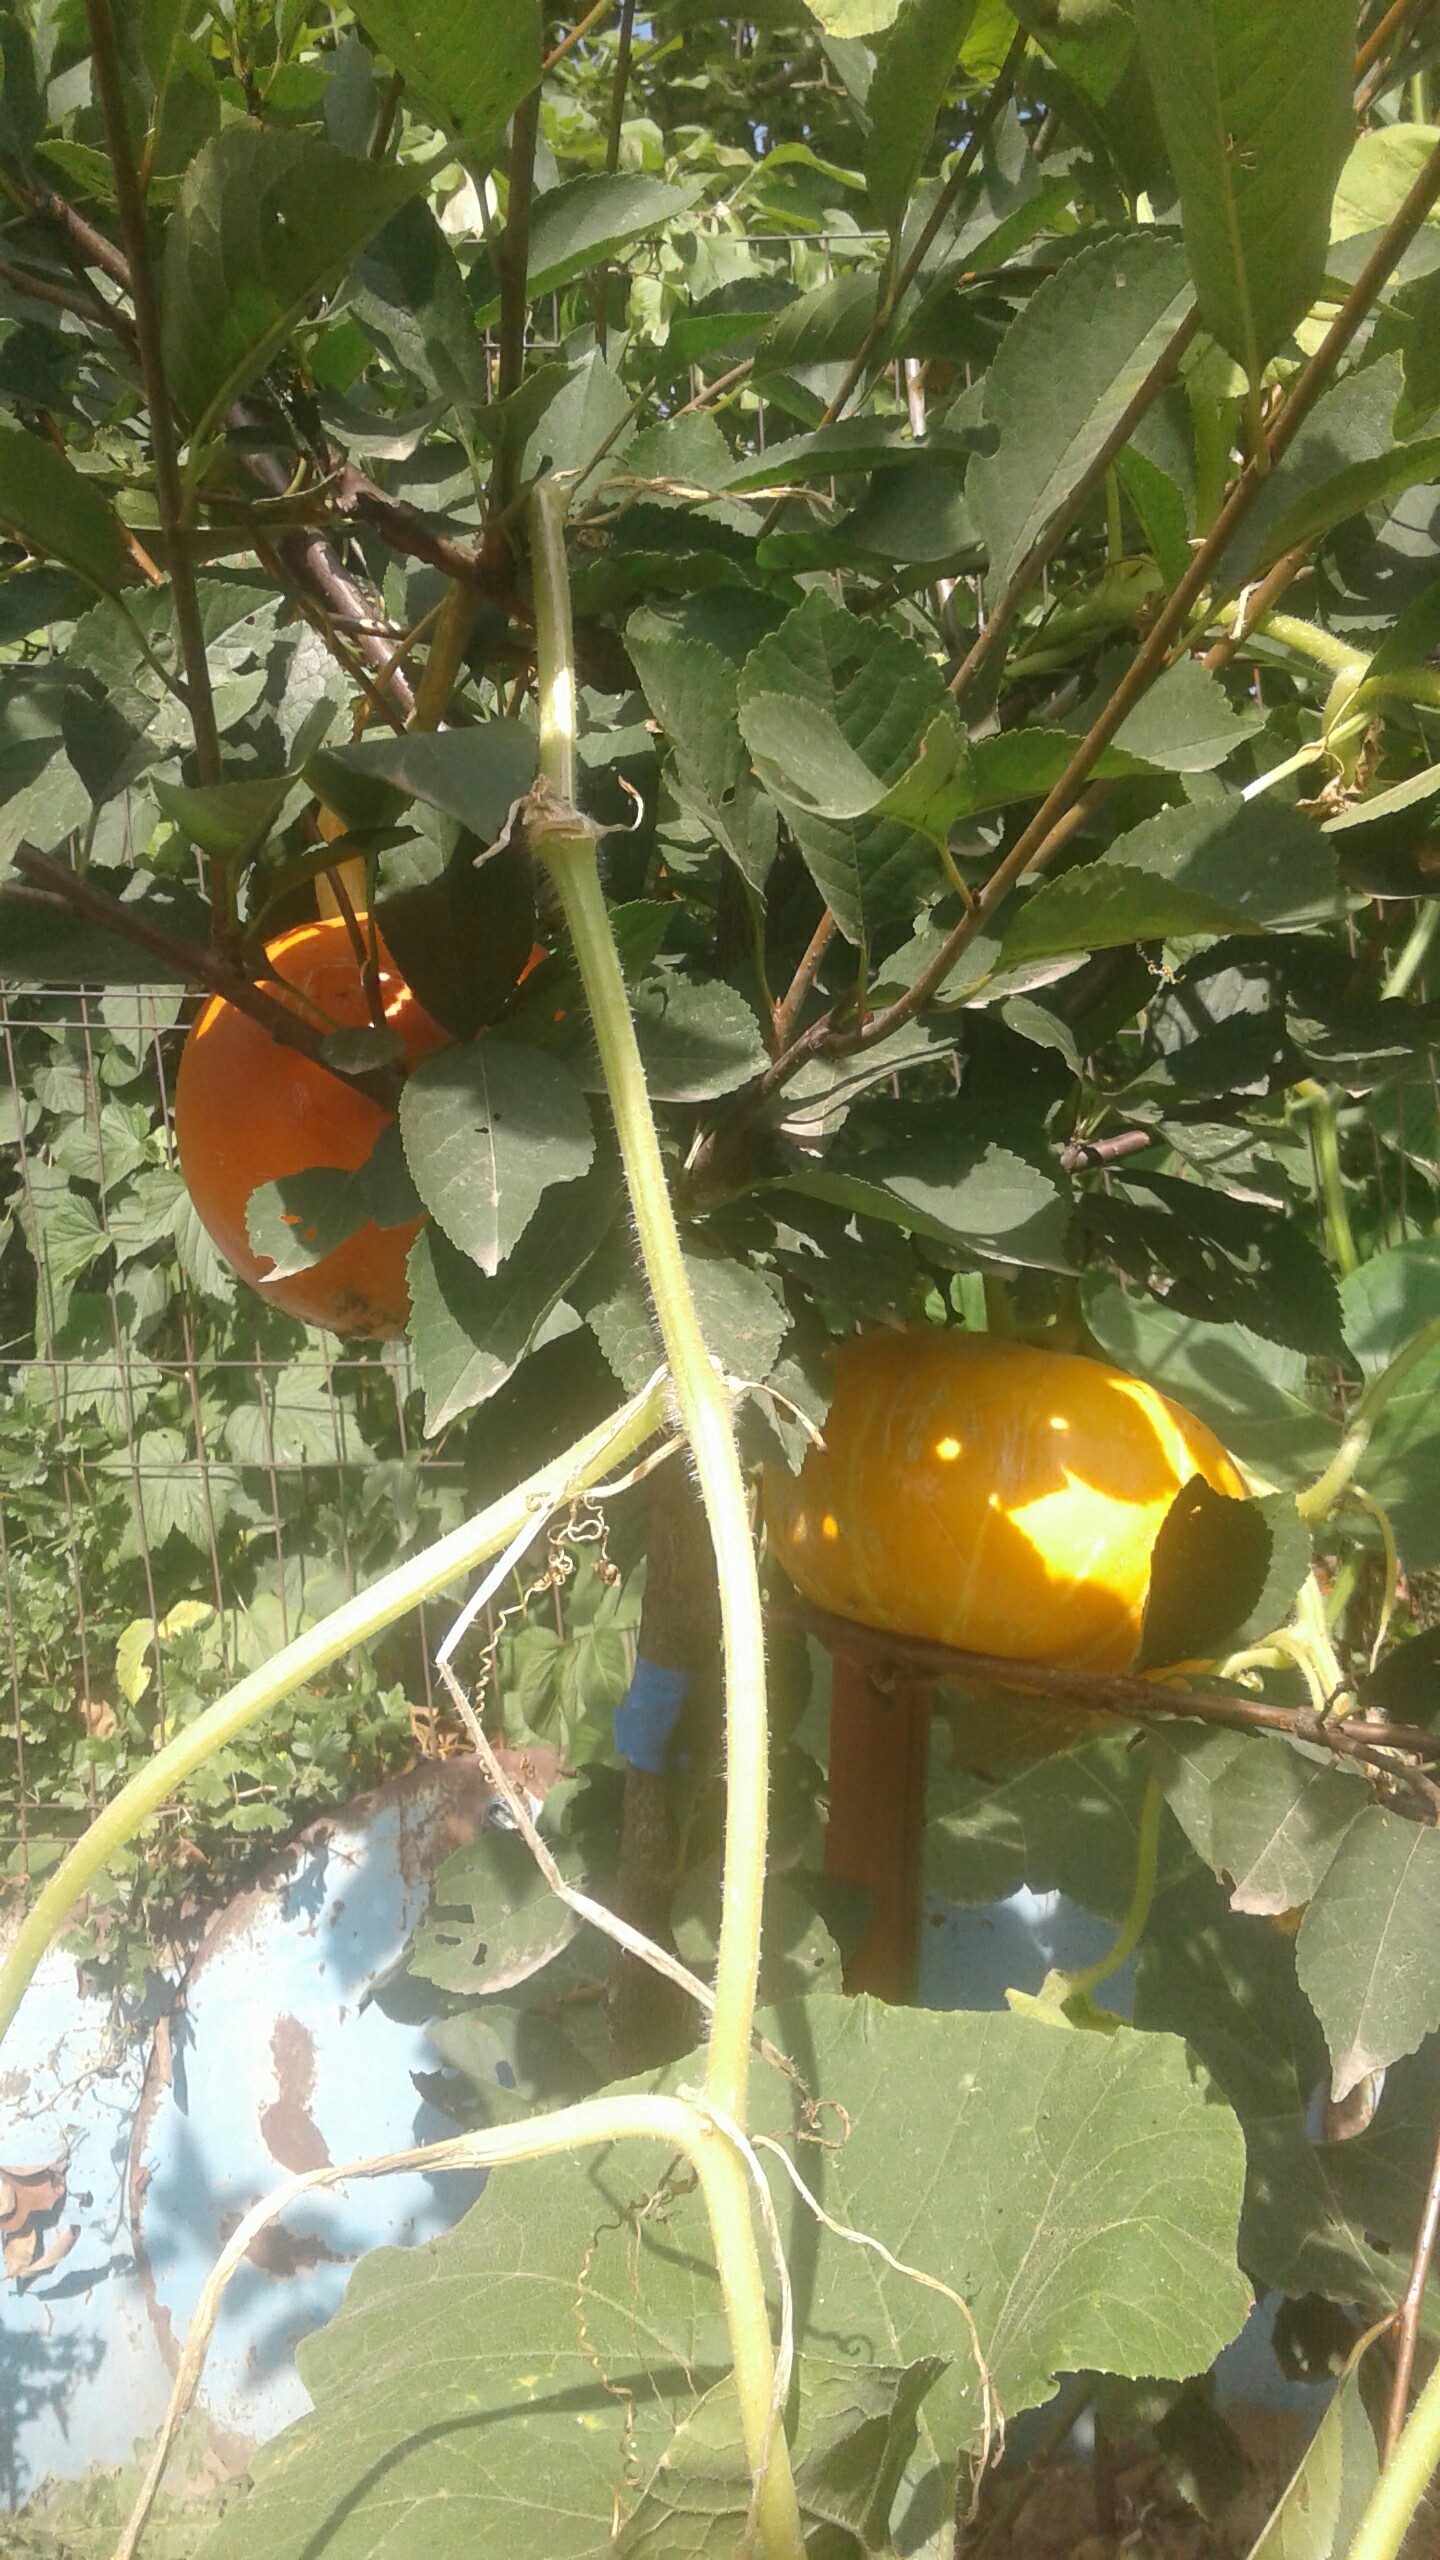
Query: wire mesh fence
x=186 y=1476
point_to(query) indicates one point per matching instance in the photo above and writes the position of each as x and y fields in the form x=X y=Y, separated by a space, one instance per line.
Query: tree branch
x=513 y=254
x=1409 y=2318
x=1387 y=1752
x=197 y=966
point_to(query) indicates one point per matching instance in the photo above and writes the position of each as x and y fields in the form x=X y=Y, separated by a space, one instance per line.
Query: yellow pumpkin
x=989 y=1495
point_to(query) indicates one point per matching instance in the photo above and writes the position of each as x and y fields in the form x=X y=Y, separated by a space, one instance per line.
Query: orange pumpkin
x=249 y=1111
x=989 y=1495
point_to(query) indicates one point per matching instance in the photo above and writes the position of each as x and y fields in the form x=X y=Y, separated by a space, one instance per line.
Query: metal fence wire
x=172 y=1449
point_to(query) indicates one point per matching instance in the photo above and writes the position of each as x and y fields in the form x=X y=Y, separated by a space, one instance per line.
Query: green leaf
x=1186 y=723
x=991 y=2152
x=698 y=1038
x=1257 y=112
x=1385 y=1304
x=487 y=1128
x=586 y=413
x=470 y=1334
x=1227 y=1984
x=229 y=821
x=1321 y=2507
x=1420 y=353
x=1344 y=458
x=299 y=1219
x=1207 y=1570
x=1368 y=1953
x=493 y=1920
x=1250 y=1391
x=940 y=1175
x=802 y=753
x=849 y=19
x=1264 y=1815
x=742 y=1316
x=1225 y=867
x=1065 y=371
x=692 y=688
x=264 y=222
x=911 y=77
x=856 y=2433
x=408 y=294
x=1091 y=41
x=472 y=775
x=582 y=223
x=473 y=68
x=1024 y=764
x=51 y=507
x=1211 y=1254
x=882 y=694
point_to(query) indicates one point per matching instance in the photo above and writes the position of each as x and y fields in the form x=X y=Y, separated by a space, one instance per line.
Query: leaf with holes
x=1256 y=108
x=487 y=1128
x=265 y=221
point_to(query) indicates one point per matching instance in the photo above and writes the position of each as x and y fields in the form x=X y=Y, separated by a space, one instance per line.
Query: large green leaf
x=995 y=2153
x=1065 y=371
x=488 y=1126
x=51 y=507
x=472 y=64
x=881 y=693
x=265 y=221
x=1262 y=1814
x=1368 y=1953
x=1328 y=2217
x=1225 y=867
x=1256 y=108
x=942 y=1173
x=911 y=78
x=408 y=294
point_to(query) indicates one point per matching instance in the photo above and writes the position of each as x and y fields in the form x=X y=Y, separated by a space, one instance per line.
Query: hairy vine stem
x=566 y=844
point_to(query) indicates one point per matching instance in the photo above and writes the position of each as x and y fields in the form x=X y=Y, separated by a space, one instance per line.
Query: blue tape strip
x=649 y=1712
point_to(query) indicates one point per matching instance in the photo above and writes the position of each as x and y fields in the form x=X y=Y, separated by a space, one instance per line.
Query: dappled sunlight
x=990 y=1496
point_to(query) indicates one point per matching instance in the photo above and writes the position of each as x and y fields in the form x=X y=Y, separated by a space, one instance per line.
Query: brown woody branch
x=1086 y=1154
x=1408 y=2329
x=1388 y=1753
x=196 y=964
